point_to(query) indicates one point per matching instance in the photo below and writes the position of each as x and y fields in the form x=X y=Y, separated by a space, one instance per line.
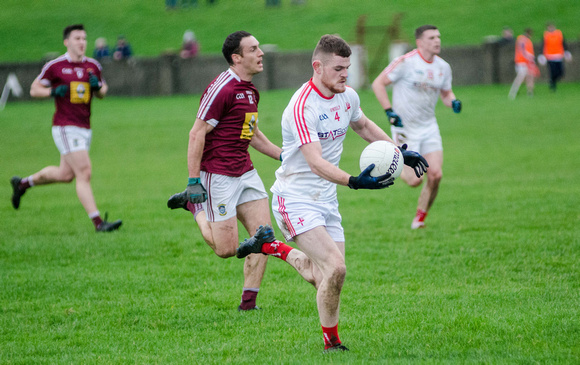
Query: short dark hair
x=419 y=31
x=331 y=44
x=232 y=45
x=70 y=28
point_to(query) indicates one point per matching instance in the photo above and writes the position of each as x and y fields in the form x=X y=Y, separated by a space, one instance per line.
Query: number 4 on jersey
x=337 y=117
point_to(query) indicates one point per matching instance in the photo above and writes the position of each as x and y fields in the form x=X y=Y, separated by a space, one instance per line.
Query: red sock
x=421 y=214
x=249 y=299
x=330 y=335
x=97 y=221
x=277 y=248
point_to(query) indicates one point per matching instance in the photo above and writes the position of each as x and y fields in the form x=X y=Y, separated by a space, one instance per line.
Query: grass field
x=31 y=29
x=495 y=278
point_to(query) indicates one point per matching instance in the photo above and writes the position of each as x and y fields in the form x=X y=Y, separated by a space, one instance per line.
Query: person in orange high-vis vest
x=554 y=52
x=526 y=68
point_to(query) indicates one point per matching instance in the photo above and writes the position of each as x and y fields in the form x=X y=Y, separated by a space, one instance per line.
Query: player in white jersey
x=419 y=78
x=305 y=204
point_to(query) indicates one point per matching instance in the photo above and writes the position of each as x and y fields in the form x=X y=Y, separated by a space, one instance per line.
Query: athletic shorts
x=70 y=138
x=424 y=145
x=522 y=67
x=296 y=217
x=225 y=193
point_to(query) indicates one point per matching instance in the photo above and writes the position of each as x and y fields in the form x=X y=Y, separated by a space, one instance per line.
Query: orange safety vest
x=523 y=45
x=553 y=45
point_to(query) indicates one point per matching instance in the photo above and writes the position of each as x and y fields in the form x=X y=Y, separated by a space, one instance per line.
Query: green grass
x=31 y=29
x=495 y=277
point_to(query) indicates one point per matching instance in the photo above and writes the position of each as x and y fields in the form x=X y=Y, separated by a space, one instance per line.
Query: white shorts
x=296 y=217
x=522 y=68
x=70 y=138
x=430 y=143
x=225 y=193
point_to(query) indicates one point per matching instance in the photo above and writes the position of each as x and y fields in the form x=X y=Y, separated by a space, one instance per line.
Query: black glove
x=394 y=118
x=366 y=181
x=456 y=105
x=59 y=91
x=415 y=160
x=94 y=82
x=195 y=191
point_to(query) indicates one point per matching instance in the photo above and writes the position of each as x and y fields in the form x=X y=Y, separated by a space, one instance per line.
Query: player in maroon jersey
x=223 y=185
x=72 y=79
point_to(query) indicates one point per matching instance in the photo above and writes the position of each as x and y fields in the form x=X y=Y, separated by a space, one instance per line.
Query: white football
x=386 y=156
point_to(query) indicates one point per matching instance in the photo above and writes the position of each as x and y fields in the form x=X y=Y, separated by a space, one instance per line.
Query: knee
x=435 y=176
x=224 y=252
x=84 y=174
x=337 y=275
x=414 y=182
x=68 y=177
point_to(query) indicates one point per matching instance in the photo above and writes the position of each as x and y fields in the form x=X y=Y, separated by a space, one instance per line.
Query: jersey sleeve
x=448 y=78
x=213 y=105
x=396 y=69
x=354 y=102
x=305 y=124
x=46 y=76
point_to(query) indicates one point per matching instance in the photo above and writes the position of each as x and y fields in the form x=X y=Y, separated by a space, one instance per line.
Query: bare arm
x=447 y=96
x=262 y=144
x=196 y=144
x=369 y=131
x=38 y=90
x=380 y=89
x=313 y=154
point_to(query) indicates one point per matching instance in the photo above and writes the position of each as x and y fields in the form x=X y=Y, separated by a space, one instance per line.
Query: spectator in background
x=554 y=51
x=101 y=51
x=122 y=49
x=526 y=68
x=190 y=46
x=507 y=36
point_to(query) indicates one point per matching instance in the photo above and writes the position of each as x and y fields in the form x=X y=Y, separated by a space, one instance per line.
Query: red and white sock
x=277 y=249
x=330 y=335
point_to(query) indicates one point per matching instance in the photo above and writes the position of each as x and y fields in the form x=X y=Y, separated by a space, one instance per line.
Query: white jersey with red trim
x=312 y=117
x=417 y=85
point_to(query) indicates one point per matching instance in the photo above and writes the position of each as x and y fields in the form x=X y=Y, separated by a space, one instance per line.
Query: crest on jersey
x=80 y=92
x=249 y=125
x=222 y=209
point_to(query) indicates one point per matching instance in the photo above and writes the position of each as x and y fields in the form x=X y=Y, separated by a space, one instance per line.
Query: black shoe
x=246 y=310
x=109 y=226
x=178 y=200
x=336 y=348
x=16 y=192
x=254 y=244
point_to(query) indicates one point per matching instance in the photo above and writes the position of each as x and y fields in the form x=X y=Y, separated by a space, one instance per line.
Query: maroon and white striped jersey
x=230 y=105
